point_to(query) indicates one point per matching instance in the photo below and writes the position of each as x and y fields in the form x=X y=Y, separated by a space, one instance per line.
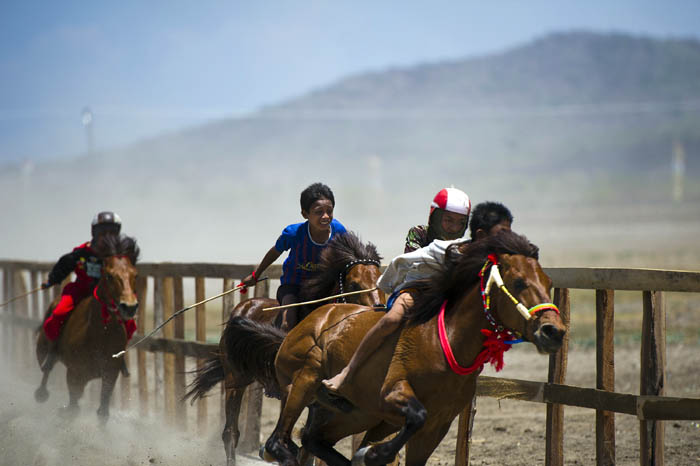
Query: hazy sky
x=144 y=67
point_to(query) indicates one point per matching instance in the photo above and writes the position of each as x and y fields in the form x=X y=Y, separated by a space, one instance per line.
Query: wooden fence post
x=554 y=432
x=156 y=403
x=142 y=293
x=226 y=307
x=36 y=312
x=45 y=295
x=22 y=336
x=653 y=374
x=464 y=433
x=250 y=437
x=200 y=330
x=605 y=375
x=179 y=331
x=168 y=358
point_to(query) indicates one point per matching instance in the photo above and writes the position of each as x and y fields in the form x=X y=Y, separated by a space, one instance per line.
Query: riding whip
x=20 y=296
x=236 y=288
x=320 y=300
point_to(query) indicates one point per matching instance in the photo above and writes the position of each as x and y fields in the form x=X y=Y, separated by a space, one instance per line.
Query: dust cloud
x=33 y=434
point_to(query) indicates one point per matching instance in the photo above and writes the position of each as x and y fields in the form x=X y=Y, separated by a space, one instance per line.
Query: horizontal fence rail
x=159 y=382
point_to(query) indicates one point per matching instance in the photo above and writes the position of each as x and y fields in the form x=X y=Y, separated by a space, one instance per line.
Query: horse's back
x=328 y=336
x=253 y=309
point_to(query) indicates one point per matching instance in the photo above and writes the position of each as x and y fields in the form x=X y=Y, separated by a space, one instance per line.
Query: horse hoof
x=358 y=459
x=265 y=456
x=41 y=394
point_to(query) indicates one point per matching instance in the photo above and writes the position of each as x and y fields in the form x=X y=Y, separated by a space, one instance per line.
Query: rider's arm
x=65 y=265
x=268 y=259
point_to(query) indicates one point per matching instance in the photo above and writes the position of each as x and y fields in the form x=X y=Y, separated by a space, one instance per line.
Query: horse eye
x=519 y=285
x=353 y=286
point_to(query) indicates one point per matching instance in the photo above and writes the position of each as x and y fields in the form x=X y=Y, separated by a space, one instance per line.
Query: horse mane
x=463 y=262
x=340 y=251
x=117 y=245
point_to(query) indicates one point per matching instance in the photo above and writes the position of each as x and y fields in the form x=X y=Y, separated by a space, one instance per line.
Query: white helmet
x=452 y=200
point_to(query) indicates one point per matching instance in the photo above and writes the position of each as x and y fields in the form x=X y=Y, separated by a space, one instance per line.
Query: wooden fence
x=158 y=371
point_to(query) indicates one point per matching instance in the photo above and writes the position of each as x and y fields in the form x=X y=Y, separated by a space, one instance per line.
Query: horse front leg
x=76 y=386
x=313 y=440
x=231 y=433
x=41 y=394
x=109 y=379
x=43 y=350
x=400 y=401
x=299 y=395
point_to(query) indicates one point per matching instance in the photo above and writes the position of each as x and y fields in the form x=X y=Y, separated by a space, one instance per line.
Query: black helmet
x=106 y=222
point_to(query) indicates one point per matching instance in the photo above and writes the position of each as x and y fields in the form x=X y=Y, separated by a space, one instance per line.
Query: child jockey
x=407 y=268
x=449 y=214
x=87 y=267
x=304 y=242
x=488 y=219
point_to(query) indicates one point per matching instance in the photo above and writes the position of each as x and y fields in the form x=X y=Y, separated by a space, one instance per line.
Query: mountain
x=570 y=119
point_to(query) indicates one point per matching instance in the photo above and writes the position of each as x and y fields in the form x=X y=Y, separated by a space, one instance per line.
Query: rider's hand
x=46 y=285
x=249 y=280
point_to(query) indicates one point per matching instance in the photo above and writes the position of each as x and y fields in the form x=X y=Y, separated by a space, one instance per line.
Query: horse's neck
x=464 y=324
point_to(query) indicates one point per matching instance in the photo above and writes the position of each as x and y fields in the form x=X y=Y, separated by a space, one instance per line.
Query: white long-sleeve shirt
x=414 y=265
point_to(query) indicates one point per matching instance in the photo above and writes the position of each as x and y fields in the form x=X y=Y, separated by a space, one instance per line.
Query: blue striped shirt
x=304 y=253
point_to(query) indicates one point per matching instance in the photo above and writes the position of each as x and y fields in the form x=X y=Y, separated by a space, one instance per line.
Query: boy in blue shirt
x=305 y=241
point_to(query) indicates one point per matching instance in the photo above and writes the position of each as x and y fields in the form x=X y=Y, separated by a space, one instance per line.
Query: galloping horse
x=414 y=383
x=346 y=264
x=96 y=327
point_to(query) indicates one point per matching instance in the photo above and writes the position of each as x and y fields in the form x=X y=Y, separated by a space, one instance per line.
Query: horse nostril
x=128 y=310
x=552 y=333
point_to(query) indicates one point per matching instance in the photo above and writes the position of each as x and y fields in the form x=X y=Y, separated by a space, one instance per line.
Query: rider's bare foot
x=335 y=383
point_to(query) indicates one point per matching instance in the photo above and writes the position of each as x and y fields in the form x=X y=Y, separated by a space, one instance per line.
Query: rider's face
x=319 y=216
x=504 y=225
x=453 y=223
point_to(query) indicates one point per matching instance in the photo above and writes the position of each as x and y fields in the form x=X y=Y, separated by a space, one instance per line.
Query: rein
x=343 y=275
x=497 y=341
x=327 y=298
x=111 y=310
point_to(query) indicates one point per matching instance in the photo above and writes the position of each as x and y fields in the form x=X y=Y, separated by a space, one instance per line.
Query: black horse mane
x=463 y=263
x=117 y=245
x=340 y=251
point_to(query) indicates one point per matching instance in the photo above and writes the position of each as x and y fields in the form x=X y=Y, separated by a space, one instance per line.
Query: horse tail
x=211 y=373
x=251 y=348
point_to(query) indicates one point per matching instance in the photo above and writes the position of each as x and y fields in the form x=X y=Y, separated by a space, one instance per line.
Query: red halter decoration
x=129 y=325
x=494 y=347
x=497 y=341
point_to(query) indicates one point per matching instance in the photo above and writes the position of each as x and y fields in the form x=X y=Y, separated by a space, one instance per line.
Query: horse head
x=118 y=281
x=346 y=264
x=520 y=295
x=362 y=275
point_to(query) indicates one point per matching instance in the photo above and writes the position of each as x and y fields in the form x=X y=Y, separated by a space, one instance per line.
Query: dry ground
x=509 y=432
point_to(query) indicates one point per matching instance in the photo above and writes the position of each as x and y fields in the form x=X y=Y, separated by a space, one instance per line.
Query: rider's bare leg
x=291 y=314
x=387 y=325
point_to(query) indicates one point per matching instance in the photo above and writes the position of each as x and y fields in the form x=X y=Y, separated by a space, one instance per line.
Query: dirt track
x=512 y=433
x=505 y=432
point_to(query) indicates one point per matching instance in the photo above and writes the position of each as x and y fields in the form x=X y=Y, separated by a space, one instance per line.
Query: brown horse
x=412 y=385
x=346 y=264
x=88 y=339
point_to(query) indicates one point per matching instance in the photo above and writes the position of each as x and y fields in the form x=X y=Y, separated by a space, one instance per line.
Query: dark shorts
x=288 y=289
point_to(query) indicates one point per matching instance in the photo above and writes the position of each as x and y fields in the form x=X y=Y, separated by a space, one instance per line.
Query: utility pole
x=87 y=123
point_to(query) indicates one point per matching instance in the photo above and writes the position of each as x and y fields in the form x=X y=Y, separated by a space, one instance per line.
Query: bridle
x=342 y=275
x=495 y=278
x=499 y=340
x=111 y=308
